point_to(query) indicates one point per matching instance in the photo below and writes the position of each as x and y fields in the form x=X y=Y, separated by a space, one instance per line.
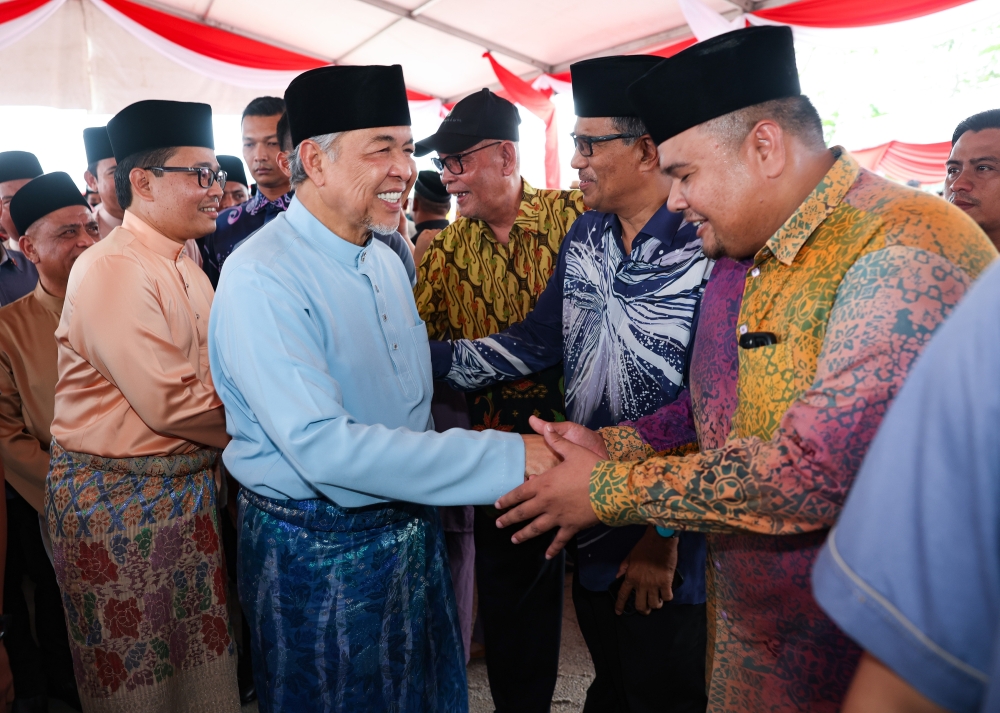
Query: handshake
x=540 y=452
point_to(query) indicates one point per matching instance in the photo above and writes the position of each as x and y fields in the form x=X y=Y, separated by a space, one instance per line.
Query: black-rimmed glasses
x=454 y=162
x=585 y=144
x=206 y=176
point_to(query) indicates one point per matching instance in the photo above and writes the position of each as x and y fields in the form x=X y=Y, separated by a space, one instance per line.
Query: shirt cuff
x=611 y=496
x=440 y=358
x=877 y=625
x=625 y=444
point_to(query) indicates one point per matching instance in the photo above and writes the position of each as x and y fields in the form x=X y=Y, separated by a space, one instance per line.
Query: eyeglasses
x=454 y=162
x=585 y=144
x=206 y=176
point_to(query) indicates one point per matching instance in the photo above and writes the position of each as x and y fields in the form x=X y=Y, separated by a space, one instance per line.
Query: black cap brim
x=445 y=143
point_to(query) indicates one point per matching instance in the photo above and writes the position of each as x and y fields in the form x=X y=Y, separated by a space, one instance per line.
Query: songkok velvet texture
x=600 y=86
x=159 y=124
x=333 y=99
x=18 y=165
x=43 y=195
x=428 y=185
x=97 y=143
x=479 y=116
x=715 y=77
x=233 y=168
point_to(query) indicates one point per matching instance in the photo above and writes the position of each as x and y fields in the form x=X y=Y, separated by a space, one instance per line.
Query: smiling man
x=851 y=275
x=130 y=495
x=100 y=177
x=322 y=361
x=973 y=179
x=481 y=274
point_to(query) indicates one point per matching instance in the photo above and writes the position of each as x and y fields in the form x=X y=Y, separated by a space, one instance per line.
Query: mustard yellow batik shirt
x=470 y=285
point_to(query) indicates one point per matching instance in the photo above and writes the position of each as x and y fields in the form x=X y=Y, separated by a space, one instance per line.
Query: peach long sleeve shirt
x=133 y=352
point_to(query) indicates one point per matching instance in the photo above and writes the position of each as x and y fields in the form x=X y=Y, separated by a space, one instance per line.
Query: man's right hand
x=574 y=433
x=538 y=457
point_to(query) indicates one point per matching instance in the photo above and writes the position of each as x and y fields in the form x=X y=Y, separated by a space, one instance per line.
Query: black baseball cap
x=479 y=116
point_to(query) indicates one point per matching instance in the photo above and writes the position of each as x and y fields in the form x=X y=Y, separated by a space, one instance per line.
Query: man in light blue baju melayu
x=322 y=362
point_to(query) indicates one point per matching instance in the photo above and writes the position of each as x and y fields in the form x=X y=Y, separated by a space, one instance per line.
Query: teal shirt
x=323 y=364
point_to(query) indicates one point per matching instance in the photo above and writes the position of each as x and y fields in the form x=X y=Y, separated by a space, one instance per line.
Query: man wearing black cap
x=56 y=226
x=851 y=275
x=480 y=275
x=618 y=314
x=261 y=150
x=237 y=189
x=130 y=494
x=100 y=177
x=431 y=204
x=18 y=276
x=322 y=362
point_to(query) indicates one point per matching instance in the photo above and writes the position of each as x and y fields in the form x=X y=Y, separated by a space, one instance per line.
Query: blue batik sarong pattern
x=349 y=609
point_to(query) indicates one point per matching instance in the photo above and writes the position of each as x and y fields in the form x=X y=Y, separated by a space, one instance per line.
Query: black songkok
x=715 y=77
x=158 y=124
x=98 y=144
x=233 y=168
x=429 y=186
x=600 y=86
x=329 y=100
x=479 y=116
x=17 y=165
x=42 y=196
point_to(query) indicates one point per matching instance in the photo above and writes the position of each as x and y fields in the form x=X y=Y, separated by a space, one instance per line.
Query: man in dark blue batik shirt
x=263 y=149
x=618 y=312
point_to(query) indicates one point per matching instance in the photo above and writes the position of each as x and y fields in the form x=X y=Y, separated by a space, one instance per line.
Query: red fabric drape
x=853 y=13
x=539 y=104
x=902 y=161
x=16 y=8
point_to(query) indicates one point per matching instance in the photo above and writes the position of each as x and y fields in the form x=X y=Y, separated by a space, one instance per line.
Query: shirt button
x=395 y=346
x=384 y=318
x=755 y=272
x=744 y=329
x=376 y=288
x=362 y=257
x=724 y=615
x=718 y=565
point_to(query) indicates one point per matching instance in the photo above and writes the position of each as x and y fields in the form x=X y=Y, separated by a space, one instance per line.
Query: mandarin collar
x=322 y=238
x=151 y=238
x=47 y=300
x=828 y=194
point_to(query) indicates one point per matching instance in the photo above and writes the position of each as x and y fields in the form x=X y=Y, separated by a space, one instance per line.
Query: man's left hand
x=560 y=497
x=649 y=570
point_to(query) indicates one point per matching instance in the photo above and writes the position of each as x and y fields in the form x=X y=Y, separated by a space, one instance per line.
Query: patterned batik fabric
x=469 y=285
x=349 y=609
x=853 y=285
x=135 y=542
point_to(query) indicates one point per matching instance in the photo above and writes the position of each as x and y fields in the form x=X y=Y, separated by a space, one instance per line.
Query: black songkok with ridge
x=159 y=124
x=716 y=77
x=233 y=168
x=429 y=186
x=329 y=100
x=17 y=165
x=98 y=145
x=600 y=86
x=43 y=195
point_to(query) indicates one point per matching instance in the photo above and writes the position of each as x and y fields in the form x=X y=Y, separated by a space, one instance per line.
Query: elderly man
x=322 y=362
x=261 y=149
x=56 y=226
x=851 y=275
x=237 y=189
x=618 y=315
x=130 y=495
x=100 y=177
x=18 y=275
x=481 y=274
x=972 y=181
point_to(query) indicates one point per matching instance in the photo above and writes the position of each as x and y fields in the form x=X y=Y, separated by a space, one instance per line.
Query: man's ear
x=91 y=180
x=282 y=161
x=28 y=248
x=508 y=154
x=649 y=159
x=313 y=161
x=141 y=188
x=766 y=148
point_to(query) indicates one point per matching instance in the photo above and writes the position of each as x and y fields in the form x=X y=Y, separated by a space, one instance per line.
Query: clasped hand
x=557 y=495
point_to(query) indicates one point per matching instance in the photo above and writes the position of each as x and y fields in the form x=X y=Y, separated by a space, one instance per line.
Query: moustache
x=964 y=197
x=587 y=177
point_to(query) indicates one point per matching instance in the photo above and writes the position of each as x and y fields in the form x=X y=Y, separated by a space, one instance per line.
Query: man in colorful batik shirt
x=851 y=275
x=130 y=497
x=482 y=274
x=618 y=314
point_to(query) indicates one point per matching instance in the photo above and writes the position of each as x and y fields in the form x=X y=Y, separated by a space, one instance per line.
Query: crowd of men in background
x=675 y=372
